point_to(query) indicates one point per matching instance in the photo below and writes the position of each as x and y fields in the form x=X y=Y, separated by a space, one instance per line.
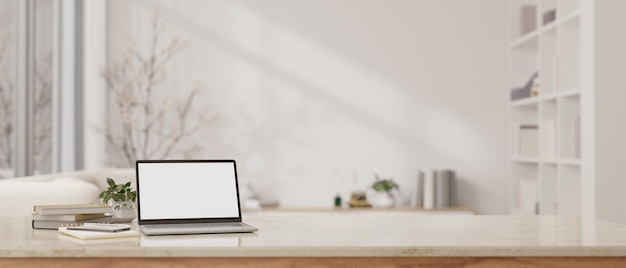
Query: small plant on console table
x=381 y=197
x=384 y=185
x=123 y=198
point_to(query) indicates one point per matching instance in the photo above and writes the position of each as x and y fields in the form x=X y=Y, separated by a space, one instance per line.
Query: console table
x=365 y=238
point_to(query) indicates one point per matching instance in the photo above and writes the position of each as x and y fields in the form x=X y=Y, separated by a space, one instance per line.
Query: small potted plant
x=381 y=194
x=122 y=197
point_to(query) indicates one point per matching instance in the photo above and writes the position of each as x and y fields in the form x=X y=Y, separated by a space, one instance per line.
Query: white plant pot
x=124 y=210
x=380 y=199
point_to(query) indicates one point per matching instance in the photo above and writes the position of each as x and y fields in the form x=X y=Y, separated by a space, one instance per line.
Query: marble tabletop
x=308 y=234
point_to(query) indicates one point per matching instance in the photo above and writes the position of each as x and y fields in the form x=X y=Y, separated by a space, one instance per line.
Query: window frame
x=69 y=78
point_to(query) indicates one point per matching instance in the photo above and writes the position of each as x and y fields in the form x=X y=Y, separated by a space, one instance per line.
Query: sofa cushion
x=17 y=198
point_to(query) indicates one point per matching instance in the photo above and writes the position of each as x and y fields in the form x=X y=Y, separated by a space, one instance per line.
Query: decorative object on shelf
x=338 y=201
x=122 y=198
x=358 y=199
x=382 y=196
x=534 y=91
x=527 y=90
x=549 y=16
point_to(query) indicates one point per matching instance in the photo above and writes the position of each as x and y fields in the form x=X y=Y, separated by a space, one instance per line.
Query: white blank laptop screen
x=187 y=190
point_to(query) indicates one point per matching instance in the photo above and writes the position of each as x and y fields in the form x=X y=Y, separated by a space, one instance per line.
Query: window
x=26 y=86
x=7 y=86
x=41 y=99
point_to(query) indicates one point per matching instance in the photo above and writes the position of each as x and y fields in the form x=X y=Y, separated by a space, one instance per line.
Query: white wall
x=609 y=95
x=310 y=93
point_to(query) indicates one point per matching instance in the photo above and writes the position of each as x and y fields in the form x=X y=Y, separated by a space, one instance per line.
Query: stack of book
x=434 y=189
x=54 y=216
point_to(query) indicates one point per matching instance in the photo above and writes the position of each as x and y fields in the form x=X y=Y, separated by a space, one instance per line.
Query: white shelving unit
x=552 y=50
x=571 y=130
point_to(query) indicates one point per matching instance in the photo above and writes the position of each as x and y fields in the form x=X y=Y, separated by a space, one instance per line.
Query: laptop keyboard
x=194 y=225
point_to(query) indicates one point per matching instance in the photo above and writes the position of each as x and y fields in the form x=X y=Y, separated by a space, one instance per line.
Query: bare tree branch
x=148 y=125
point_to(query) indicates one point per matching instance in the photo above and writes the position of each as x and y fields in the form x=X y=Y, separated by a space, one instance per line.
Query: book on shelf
x=72 y=209
x=417 y=197
x=429 y=189
x=88 y=235
x=54 y=225
x=528 y=140
x=69 y=217
x=443 y=185
x=527 y=22
x=434 y=189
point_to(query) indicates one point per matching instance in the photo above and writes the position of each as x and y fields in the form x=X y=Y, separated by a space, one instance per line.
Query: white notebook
x=97 y=235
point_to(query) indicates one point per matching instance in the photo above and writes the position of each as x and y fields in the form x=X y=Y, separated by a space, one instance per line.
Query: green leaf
x=118 y=192
x=111 y=182
x=106 y=197
x=384 y=184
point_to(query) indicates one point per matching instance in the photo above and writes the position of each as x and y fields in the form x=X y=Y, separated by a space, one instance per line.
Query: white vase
x=124 y=210
x=380 y=199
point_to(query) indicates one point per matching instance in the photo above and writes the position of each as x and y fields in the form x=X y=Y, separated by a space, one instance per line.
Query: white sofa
x=19 y=195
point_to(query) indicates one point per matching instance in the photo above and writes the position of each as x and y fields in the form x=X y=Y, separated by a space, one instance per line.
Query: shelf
x=559 y=94
x=525 y=159
x=522 y=41
x=548 y=27
x=568 y=93
x=549 y=161
x=572 y=16
x=553 y=176
x=548 y=97
x=570 y=162
x=574 y=106
x=524 y=102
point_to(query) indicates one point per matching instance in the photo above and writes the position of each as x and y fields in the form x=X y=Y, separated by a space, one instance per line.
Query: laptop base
x=173 y=229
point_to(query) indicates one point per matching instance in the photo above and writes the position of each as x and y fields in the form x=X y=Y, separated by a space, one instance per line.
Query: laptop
x=188 y=197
